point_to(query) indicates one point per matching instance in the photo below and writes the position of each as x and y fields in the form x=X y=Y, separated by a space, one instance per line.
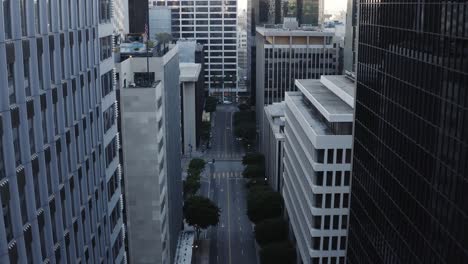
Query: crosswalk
x=227 y=174
x=223 y=155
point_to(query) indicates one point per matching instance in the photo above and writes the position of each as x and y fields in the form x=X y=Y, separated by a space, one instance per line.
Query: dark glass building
x=138 y=15
x=409 y=190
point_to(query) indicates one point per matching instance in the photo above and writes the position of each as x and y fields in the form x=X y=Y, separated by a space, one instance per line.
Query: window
x=111 y=152
x=334 y=245
x=346 y=200
x=319 y=178
x=316 y=242
x=7 y=18
x=105 y=11
x=109 y=118
x=106 y=47
x=16 y=145
x=106 y=83
x=329 y=178
x=24 y=29
x=344 y=222
x=337 y=200
x=347 y=177
x=348 y=156
x=338 y=178
x=328 y=198
x=318 y=201
x=317 y=222
x=343 y=243
x=325 y=243
x=326 y=222
x=339 y=156
x=330 y=156
x=11 y=82
x=336 y=222
x=32 y=143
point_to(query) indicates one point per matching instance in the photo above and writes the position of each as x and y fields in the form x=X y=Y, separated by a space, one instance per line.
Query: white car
x=227 y=102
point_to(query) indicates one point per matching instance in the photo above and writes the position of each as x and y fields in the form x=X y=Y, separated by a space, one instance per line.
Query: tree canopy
x=210 y=104
x=271 y=230
x=254 y=171
x=191 y=185
x=197 y=164
x=278 y=253
x=253 y=158
x=200 y=212
x=262 y=203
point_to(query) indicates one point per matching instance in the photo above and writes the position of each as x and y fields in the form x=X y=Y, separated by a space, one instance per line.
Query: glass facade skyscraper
x=410 y=172
x=59 y=165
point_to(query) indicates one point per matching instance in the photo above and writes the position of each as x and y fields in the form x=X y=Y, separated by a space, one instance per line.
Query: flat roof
x=342 y=86
x=327 y=103
x=292 y=32
x=310 y=117
x=189 y=71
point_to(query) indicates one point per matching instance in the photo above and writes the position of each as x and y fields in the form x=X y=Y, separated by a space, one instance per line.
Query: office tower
x=273 y=146
x=120 y=18
x=350 y=50
x=309 y=12
x=213 y=24
x=160 y=20
x=411 y=143
x=317 y=165
x=151 y=145
x=59 y=166
x=288 y=53
x=138 y=13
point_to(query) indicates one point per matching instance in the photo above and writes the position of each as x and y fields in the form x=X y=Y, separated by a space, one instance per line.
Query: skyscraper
x=59 y=164
x=410 y=170
x=213 y=24
x=138 y=13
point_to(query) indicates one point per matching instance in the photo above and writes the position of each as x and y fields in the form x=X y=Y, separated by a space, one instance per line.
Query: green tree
x=191 y=185
x=271 y=230
x=263 y=205
x=200 y=212
x=205 y=130
x=163 y=38
x=197 y=164
x=253 y=158
x=278 y=253
x=210 y=104
x=254 y=171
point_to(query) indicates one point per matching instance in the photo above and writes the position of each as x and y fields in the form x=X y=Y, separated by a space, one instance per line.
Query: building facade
x=410 y=173
x=213 y=24
x=151 y=141
x=273 y=147
x=160 y=20
x=59 y=164
x=288 y=54
x=138 y=15
x=317 y=167
x=350 y=38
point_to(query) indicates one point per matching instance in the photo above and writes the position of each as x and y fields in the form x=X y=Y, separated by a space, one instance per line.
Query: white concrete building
x=285 y=53
x=317 y=165
x=213 y=24
x=273 y=147
x=189 y=74
x=151 y=141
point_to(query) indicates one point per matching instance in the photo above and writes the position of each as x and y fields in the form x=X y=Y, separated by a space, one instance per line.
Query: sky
x=330 y=5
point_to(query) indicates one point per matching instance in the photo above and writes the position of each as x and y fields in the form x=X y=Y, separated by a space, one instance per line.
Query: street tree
x=271 y=230
x=278 y=253
x=254 y=171
x=200 y=212
x=264 y=204
x=197 y=164
x=253 y=158
x=191 y=185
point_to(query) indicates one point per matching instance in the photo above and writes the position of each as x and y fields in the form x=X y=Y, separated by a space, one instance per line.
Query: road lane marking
x=229 y=222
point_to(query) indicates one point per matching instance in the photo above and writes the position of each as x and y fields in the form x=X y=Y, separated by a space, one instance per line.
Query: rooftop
x=307 y=114
x=342 y=86
x=330 y=106
x=189 y=72
x=280 y=31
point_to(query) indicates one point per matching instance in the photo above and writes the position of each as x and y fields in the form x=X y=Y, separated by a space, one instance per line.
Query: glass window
x=7 y=18
x=11 y=82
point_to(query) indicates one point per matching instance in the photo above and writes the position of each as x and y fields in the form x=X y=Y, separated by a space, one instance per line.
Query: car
x=227 y=102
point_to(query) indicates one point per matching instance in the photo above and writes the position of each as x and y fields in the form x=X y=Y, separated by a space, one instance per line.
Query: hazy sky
x=331 y=5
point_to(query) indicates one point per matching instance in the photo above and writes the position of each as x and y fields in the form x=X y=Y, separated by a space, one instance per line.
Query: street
x=232 y=241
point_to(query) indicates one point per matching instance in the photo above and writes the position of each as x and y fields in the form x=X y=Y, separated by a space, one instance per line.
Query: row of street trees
x=199 y=212
x=244 y=125
x=265 y=209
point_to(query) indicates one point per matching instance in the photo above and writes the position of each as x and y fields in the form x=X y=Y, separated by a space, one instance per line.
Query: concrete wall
x=141 y=169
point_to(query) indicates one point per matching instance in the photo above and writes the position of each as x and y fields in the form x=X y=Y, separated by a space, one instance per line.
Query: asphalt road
x=232 y=241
